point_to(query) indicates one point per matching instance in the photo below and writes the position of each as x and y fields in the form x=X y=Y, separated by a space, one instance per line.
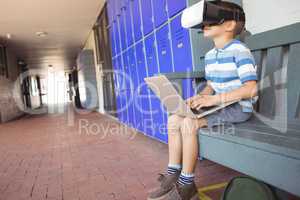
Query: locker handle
x=180 y=45
x=164 y=52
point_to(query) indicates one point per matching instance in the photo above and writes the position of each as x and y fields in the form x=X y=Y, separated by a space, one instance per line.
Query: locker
x=122 y=111
x=112 y=41
x=117 y=37
x=136 y=15
x=151 y=57
x=145 y=124
x=147 y=16
x=175 y=6
x=118 y=7
x=134 y=79
x=121 y=21
x=181 y=46
x=110 y=11
x=117 y=88
x=129 y=27
x=129 y=97
x=164 y=49
x=159 y=116
x=160 y=12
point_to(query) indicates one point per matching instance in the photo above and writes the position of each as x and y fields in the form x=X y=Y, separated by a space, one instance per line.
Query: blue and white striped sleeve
x=246 y=66
x=205 y=69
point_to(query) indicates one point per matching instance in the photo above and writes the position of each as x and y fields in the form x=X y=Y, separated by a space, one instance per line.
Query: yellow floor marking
x=201 y=191
x=203 y=196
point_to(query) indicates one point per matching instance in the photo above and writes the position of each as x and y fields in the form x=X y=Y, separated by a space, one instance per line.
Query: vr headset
x=208 y=13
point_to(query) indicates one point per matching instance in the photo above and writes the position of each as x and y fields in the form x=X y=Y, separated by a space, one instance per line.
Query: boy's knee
x=189 y=126
x=174 y=119
x=174 y=122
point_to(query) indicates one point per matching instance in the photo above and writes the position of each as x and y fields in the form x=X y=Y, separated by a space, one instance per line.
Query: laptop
x=173 y=101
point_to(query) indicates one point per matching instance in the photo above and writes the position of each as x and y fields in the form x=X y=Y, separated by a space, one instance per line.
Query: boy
x=231 y=75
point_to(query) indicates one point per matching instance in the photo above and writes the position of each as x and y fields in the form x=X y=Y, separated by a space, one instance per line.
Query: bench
x=266 y=147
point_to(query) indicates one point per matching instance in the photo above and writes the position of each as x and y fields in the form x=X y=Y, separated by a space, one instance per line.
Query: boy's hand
x=190 y=100
x=205 y=101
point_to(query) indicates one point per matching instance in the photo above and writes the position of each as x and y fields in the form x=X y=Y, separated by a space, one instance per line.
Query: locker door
x=159 y=116
x=124 y=88
x=164 y=49
x=147 y=16
x=160 y=12
x=110 y=11
x=143 y=93
x=175 y=6
x=134 y=79
x=136 y=14
x=117 y=37
x=182 y=54
x=112 y=41
x=121 y=20
x=181 y=46
x=117 y=88
x=118 y=7
x=129 y=28
x=127 y=81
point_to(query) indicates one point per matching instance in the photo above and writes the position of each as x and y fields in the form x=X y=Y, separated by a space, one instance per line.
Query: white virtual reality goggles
x=209 y=13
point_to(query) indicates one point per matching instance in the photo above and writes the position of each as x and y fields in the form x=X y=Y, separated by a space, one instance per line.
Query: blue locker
x=181 y=45
x=129 y=28
x=117 y=37
x=121 y=21
x=175 y=6
x=143 y=92
x=147 y=16
x=110 y=11
x=129 y=96
x=182 y=53
x=160 y=12
x=112 y=41
x=123 y=94
x=117 y=88
x=118 y=6
x=159 y=116
x=164 y=49
x=136 y=14
x=134 y=79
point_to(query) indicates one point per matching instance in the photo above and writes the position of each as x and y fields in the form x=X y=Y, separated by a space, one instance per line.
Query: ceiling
x=67 y=22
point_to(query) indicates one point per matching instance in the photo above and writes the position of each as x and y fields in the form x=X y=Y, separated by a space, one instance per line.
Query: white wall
x=264 y=15
x=91 y=44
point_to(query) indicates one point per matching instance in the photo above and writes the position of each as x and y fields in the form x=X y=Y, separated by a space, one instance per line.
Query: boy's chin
x=208 y=35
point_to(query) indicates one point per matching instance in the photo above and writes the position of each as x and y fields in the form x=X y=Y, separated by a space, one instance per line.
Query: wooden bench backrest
x=277 y=54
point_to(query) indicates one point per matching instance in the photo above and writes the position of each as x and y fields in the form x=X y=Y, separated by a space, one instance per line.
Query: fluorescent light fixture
x=41 y=34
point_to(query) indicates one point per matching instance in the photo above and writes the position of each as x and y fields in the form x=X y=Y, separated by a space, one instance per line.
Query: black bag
x=247 y=188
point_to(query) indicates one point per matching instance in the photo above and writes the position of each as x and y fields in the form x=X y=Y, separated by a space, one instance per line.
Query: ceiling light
x=41 y=34
x=8 y=36
x=50 y=66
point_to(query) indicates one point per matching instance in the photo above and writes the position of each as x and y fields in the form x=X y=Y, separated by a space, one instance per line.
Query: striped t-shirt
x=228 y=68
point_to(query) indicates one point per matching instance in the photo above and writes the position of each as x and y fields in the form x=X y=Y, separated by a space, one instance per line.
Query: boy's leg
x=185 y=188
x=175 y=159
x=175 y=140
x=189 y=131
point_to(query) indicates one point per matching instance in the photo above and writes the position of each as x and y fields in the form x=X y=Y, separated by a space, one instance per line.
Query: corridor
x=90 y=156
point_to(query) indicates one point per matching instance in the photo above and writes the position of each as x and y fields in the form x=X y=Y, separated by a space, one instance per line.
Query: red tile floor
x=93 y=157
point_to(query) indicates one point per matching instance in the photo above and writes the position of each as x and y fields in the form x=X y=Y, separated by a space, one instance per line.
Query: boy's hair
x=240 y=27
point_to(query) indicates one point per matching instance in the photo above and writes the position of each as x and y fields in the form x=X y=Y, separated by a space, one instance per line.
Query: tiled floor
x=53 y=157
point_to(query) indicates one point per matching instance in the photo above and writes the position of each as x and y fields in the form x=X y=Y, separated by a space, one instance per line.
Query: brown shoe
x=167 y=183
x=183 y=192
